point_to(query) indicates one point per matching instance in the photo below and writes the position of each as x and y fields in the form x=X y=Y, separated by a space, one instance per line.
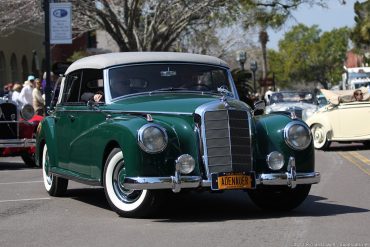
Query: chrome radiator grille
x=228 y=143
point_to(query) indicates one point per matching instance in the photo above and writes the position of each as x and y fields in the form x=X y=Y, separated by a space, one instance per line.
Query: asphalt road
x=336 y=213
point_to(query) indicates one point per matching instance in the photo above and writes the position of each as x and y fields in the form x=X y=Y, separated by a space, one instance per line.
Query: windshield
x=280 y=97
x=167 y=77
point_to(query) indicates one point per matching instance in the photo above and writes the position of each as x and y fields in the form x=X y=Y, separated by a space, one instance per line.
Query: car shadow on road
x=13 y=166
x=347 y=147
x=213 y=207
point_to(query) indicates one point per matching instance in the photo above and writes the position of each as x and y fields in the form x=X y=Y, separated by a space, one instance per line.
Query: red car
x=17 y=131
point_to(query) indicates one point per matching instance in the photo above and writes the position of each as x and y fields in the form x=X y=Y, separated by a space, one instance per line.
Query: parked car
x=169 y=121
x=18 y=131
x=302 y=103
x=342 y=120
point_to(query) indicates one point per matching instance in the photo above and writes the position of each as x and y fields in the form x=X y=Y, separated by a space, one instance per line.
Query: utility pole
x=46 y=6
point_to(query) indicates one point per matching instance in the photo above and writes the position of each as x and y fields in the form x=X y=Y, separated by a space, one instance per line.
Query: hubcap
x=125 y=195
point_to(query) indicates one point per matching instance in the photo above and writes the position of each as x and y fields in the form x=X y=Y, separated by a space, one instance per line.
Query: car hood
x=169 y=103
x=286 y=106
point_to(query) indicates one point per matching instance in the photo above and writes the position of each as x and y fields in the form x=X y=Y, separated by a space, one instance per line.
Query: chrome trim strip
x=176 y=183
x=17 y=143
x=17 y=122
x=129 y=112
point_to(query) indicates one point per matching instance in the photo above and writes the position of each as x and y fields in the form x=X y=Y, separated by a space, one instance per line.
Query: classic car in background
x=302 y=103
x=169 y=121
x=17 y=131
x=342 y=120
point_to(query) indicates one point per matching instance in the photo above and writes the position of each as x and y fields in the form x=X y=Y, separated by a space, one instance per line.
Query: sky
x=335 y=16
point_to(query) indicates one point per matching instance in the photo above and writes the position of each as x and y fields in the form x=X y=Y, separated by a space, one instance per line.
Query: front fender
x=269 y=137
x=322 y=119
x=45 y=133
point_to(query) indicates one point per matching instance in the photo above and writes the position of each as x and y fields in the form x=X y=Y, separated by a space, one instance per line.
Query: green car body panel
x=174 y=113
x=140 y=123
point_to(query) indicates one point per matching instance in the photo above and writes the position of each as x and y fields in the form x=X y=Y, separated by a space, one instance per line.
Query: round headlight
x=27 y=112
x=275 y=160
x=185 y=163
x=152 y=138
x=297 y=135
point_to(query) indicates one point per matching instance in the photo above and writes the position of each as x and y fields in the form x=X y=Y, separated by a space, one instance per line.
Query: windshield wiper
x=168 y=89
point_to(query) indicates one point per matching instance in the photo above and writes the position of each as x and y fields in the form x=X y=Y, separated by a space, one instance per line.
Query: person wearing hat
x=25 y=97
x=17 y=88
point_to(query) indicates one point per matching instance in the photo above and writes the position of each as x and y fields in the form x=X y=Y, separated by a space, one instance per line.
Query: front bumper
x=17 y=143
x=182 y=182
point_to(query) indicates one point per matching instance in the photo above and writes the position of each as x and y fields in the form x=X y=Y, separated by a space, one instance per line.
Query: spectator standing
x=268 y=94
x=38 y=101
x=25 y=96
x=17 y=88
x=52 y=81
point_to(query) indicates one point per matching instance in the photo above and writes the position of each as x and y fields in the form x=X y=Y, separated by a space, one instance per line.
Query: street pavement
x=336 y=213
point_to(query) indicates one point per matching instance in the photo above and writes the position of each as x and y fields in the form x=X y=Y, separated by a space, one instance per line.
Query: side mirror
x=92 y=105
x=259 y=107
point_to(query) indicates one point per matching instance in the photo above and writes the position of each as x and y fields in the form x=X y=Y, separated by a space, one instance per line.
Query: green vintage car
x=169 y=122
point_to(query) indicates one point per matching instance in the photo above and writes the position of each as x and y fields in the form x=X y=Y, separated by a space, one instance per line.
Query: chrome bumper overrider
x=151 y=183
x=17 y=143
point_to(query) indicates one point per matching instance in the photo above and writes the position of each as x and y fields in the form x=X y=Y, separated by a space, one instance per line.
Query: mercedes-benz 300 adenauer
x=141 y=124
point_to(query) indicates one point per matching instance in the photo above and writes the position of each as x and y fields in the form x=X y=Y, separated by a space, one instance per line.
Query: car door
x=352 y=120
x=83 y=123
x=65 y=118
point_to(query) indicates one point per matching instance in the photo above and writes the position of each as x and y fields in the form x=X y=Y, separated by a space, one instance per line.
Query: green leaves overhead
x=360 y=34
x=308 y=55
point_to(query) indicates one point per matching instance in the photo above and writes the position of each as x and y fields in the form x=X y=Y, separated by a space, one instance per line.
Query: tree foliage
x=308 y=55
x=360 y=34
x=15 y=13
x=145 y=25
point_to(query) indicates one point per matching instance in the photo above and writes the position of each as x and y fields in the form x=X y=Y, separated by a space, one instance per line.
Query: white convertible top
x=343 y=96
x=111 y=59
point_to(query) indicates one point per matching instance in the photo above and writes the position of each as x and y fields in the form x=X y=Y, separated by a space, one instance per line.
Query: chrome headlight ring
x=152 y=138
x=27 y=112
x=297 y=135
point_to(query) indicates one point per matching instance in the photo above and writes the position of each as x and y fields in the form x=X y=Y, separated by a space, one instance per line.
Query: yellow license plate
x=224 y=181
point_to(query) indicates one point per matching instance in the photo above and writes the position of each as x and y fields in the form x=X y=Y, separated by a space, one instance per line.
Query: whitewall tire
x=55 y=186
x=127 y=203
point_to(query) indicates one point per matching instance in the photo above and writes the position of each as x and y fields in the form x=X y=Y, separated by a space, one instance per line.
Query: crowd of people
x=31 y=92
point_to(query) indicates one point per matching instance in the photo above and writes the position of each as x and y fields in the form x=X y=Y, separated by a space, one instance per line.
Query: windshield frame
x=109 y=99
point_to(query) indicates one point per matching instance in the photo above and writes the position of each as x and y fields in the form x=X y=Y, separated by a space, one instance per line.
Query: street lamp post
x=253 y=68
x=241 y=57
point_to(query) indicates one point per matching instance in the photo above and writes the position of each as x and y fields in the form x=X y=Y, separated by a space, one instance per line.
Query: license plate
x=227 y=181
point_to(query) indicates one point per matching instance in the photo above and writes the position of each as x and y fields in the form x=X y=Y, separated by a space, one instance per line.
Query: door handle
x=72 y=118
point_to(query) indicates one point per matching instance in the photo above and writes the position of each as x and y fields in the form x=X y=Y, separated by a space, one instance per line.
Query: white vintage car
x=302 y=103
x=342 y=120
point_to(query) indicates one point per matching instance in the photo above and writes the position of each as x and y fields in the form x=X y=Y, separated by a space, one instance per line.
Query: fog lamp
x=185 y=164
x=275 y=160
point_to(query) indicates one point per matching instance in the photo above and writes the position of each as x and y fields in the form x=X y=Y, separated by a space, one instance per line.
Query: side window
x=71 y=91
x=91 y=84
